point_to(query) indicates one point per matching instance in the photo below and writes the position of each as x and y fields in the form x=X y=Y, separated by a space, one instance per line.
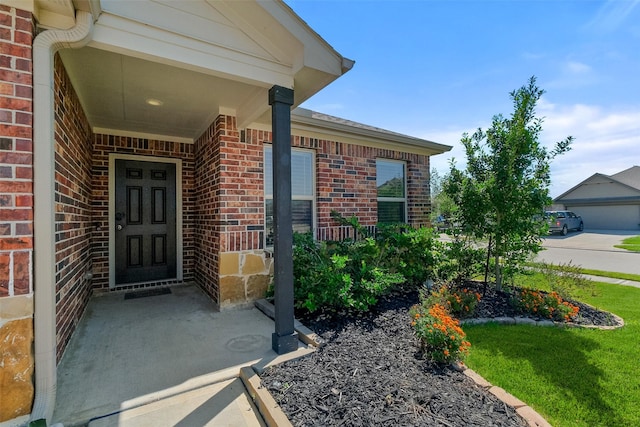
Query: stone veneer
x=244 y=277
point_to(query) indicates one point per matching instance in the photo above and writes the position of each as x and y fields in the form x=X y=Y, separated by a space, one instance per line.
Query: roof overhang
x=317 y=125
x=196 y=59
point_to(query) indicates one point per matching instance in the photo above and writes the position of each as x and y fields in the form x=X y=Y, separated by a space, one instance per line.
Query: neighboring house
x=606 y=202
x=135 y=152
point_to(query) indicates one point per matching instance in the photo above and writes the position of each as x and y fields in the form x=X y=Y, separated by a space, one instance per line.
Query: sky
x=435 y=69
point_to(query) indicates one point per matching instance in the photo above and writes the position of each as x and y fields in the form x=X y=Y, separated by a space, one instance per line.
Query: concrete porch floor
x=161 y=360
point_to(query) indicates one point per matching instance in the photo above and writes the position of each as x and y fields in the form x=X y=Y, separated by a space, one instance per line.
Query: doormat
x=147 y=293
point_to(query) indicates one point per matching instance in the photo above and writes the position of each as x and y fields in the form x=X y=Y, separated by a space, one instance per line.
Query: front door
x=145 y=221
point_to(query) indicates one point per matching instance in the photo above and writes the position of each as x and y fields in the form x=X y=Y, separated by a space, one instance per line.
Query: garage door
x=615 y=217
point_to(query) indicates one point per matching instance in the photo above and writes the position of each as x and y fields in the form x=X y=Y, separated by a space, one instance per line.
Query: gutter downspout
x=45 y=46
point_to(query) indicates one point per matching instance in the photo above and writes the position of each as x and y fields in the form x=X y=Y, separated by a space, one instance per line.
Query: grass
x=631 y=244
x=571 y=376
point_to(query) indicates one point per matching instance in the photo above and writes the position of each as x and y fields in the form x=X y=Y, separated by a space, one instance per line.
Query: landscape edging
x=532 y=418
x=521 y=320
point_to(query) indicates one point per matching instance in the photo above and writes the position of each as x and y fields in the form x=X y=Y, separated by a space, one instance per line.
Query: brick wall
x=346 y=179
x=72 y=206
x=16 y=214
x=16 y=152
x=103 y=145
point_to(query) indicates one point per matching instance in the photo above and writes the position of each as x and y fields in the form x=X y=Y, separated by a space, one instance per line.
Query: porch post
x=284 y=339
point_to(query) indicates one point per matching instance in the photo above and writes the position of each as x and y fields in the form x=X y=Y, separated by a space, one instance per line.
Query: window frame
x=404 y=200
x=312 y=197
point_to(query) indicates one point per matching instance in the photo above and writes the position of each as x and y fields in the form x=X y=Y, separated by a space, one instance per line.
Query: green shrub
x=565 y=279
x=416 y=253
x=335 y=276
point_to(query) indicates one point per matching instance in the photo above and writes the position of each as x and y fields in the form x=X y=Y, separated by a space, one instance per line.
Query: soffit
x=199 y=58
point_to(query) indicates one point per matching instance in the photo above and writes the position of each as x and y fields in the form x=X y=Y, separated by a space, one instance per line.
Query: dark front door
x=145 y=221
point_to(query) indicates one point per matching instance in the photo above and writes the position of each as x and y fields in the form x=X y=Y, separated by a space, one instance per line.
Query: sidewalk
x=622 y=282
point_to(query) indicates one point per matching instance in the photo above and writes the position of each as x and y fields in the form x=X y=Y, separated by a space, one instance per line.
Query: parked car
x=563 y=221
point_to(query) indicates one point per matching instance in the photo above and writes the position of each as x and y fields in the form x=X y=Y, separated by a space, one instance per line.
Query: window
x=302 y=191
x=392 y=199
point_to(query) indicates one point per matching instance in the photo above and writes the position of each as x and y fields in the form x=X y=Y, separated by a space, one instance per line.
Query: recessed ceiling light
x=154 y=102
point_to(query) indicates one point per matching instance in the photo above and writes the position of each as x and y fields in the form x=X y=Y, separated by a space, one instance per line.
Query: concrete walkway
x=165 y=360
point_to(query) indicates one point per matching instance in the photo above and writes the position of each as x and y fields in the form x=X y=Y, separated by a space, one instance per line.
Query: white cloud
x=605 y=141
x=575 y=67
x=612 y=14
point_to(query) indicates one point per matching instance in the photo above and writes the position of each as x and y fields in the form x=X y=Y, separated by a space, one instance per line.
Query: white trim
x=112 y=201
x=141 y=135
x=45 y=45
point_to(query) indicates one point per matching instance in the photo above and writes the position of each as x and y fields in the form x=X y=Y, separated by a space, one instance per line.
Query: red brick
x=6 y=200
x=5 y=34
x=10 y=157
x=15 y=243
x=5 y=262
x=23 y=37
x=24 y=229
x=24 y=172
x=23 y=118
x=24 y=145
x=6 y=89
x=24 y=201
x=5 y=229
x=16 y=104
x=21 y=267
x=6 y=116
x=15 y=131
x=16 y=214
x=23 y=20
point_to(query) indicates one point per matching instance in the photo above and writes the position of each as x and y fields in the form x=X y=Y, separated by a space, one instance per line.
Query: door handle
x=119 y=227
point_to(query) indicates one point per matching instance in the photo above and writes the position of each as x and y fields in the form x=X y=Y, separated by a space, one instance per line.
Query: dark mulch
x=370 y=372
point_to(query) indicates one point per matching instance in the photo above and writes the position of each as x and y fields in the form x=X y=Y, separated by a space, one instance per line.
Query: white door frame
x=112 y=210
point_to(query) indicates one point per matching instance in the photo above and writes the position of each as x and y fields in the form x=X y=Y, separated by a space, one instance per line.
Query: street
x=593 y=250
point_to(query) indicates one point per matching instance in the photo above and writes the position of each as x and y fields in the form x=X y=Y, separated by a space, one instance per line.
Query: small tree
x=441 y=203
x=503 y=191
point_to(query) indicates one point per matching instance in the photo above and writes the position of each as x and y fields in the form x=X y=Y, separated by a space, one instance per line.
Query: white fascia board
x=132 y=38
x=338 y=132
x=317 y=54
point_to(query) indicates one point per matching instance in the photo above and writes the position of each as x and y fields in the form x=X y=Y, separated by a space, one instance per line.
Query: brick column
x=16 y=213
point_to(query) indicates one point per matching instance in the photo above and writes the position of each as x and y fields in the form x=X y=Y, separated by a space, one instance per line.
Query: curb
x=266 y=404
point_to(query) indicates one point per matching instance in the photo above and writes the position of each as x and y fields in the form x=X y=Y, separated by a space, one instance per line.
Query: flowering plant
x=440 y=335
x=459 y=302
x=549 y=306
x=462 y=302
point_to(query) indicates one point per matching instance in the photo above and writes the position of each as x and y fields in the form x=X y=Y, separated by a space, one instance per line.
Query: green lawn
x=572 y=377
x=630 y=244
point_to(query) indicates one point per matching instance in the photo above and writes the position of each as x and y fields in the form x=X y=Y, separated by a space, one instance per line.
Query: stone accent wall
x=72 y=206
x=16 y=213
x=103 y=145
x=244 y=277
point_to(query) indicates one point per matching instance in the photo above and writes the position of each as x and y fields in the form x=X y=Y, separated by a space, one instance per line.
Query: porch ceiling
x=196 y=59
x=118 y=93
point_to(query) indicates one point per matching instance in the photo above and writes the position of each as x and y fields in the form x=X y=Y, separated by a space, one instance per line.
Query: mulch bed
x=370 y=372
